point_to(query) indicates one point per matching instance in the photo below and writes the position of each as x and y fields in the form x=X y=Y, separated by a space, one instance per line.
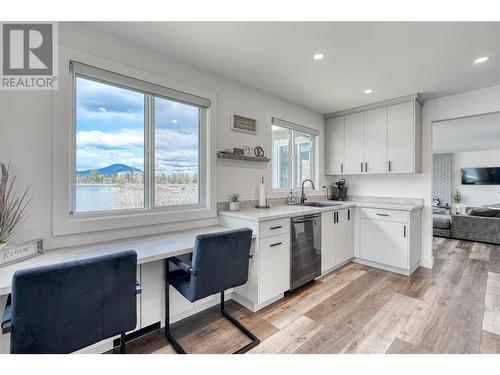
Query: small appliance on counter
x=337 y=191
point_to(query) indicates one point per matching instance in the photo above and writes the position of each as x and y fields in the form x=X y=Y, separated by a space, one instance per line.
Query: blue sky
x=110 y=129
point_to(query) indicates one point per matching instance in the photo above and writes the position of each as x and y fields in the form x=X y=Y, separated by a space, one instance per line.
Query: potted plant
x=458 y=198
x=12 y=205
x=234 y=201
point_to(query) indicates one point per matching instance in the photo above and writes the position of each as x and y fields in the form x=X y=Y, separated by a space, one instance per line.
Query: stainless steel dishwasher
x=305 y=263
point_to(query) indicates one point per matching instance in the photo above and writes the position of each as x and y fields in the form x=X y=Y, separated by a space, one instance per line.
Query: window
x=176 y=153
x=293 y=154
x=137 y=145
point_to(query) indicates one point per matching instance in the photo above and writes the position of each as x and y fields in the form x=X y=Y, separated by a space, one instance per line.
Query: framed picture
x=243 y=124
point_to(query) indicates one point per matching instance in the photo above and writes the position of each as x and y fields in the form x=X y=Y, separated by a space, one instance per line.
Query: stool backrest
x=65 y=307
x=220 y=261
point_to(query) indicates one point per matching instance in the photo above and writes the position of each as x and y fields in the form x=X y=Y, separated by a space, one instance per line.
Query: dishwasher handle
x=303 y=219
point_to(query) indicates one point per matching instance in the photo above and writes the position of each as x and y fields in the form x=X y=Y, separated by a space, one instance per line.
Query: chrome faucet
x=302 y=195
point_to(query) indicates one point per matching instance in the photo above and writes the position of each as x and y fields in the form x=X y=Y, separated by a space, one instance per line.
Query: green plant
x=12 y=205
x=235 y=197
x=457 y=197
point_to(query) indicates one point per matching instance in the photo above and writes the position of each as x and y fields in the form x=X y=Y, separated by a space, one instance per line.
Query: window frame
x=149 y=147
x=293 y=128
x=129 y=224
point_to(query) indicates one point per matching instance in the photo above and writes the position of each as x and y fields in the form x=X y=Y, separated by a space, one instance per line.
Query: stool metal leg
x=241 y=327
x=175 y=344
x=122 y=343
x=171 y=339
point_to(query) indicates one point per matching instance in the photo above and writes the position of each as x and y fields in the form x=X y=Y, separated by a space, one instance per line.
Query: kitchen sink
x=320 y=204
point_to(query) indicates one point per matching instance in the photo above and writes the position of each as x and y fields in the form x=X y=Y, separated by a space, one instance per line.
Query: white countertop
x=278 y=212
x=148 y=249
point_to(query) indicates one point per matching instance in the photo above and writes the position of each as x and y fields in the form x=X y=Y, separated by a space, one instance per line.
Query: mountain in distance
x=110 y=170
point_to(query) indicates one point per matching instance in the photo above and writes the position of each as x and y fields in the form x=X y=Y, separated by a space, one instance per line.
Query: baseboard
x=427 y=262
x=252 y=306
x=385 y=267
x=326 y=272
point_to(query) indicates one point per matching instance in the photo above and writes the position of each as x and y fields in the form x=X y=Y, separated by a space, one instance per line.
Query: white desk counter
x=149 y=249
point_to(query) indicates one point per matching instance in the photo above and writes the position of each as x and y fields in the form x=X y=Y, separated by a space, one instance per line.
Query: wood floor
x=453 y=308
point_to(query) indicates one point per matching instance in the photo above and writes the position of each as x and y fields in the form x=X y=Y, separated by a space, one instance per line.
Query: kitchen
x=337 y=196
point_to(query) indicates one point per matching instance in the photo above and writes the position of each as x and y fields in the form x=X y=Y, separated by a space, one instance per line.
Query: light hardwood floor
x=453 y=308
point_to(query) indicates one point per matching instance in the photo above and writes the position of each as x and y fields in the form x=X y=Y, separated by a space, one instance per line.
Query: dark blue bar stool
x=220 y=262
x=66 y=307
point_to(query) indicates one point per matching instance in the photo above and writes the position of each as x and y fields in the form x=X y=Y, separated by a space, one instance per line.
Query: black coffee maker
x=337 y=191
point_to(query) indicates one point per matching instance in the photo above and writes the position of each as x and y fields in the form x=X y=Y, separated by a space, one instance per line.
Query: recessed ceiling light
x=369 y=91
x=174 y=121
x=481 y=60
x=318 y=56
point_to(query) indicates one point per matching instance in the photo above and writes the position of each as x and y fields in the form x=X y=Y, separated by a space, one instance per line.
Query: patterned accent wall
x=441 y=177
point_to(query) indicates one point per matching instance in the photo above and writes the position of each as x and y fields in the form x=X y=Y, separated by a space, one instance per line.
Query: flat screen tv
x=481 y=176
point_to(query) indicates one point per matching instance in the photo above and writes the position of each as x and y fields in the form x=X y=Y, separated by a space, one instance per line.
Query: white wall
x=475 y=195
x=26 y=131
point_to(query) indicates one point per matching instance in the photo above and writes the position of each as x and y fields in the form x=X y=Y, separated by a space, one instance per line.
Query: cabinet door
x=344 y=249
x=384 y=242
x=274 y=259
x=354 y=144
x=375 y=136
x=327 y=241
x=334 y=163
x=401 y=138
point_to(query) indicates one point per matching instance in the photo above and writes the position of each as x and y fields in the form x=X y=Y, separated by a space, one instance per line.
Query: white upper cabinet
x=384 y=139
x=375 y=138
x=354 y=158
x=403 y=138
x=334 y=163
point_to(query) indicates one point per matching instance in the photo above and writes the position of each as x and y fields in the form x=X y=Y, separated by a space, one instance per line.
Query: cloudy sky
x=110 y=129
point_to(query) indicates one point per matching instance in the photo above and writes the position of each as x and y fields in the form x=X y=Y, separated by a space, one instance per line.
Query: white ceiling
x=475 y=133
x=394 y=58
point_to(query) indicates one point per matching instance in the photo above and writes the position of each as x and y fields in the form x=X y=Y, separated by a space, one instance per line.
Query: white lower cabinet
x=269 y=265
x=337 y=239
x=390 y=239
x=327 y=241
x=274 y=266
x=384 y=242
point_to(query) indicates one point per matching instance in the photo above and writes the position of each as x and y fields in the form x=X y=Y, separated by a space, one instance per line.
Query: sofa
x=480 y=224
x=441 y=225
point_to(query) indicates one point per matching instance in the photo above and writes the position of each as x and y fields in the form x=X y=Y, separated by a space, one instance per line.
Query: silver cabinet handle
x=390 y=166
x=382 y=214
x=361 y=166
x=366 y=166
x=341 y=167
x=277 y=227
x=275 y=244
x=348 y=214
x=404 y=231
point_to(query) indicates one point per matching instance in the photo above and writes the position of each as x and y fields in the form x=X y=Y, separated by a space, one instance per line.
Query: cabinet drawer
x=274 y=260
x=274 y=227
x=383 y=214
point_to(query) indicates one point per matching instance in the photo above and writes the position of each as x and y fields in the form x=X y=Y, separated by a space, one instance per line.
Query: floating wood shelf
x=243 y=157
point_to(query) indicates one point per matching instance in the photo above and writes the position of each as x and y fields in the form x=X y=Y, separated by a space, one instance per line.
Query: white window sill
x=82 y=224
